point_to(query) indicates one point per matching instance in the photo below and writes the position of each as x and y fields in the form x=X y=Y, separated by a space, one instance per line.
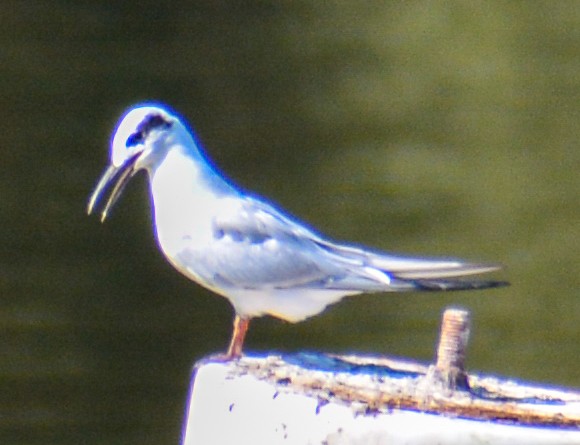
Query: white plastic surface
x=244 y=410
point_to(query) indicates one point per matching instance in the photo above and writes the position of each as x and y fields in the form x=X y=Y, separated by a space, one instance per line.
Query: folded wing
x=261 y=247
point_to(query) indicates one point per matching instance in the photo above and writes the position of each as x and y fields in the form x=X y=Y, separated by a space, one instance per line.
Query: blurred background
x=428 y=128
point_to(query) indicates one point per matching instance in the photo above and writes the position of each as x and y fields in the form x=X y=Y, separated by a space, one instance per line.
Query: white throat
x=184 y=190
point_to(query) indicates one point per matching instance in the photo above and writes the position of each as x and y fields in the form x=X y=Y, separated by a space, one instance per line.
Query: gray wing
x=259 y=247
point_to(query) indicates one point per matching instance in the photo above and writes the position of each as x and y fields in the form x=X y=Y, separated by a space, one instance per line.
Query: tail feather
x=408 y=268
x=377 y=271
x=451 y=285
x=428 y=269
x=421 y=269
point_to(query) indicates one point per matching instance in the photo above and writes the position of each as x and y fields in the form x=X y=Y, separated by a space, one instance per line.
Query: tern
x=244 y=248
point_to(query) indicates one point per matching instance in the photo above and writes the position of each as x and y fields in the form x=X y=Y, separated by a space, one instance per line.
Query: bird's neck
x=184 y=188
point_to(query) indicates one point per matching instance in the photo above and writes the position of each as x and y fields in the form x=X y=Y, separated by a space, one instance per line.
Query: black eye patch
x=151 y=122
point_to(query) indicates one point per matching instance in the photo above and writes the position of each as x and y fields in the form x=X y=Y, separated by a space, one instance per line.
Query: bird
x=242 y=247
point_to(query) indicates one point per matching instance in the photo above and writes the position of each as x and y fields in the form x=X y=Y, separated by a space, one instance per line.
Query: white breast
x=183 y=204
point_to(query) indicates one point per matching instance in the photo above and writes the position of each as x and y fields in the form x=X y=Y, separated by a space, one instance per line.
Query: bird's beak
x=120 y=176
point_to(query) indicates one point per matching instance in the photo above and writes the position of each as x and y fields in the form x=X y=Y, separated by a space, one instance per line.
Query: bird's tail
x=450 y=285
x=437 y=275
x=399 y=273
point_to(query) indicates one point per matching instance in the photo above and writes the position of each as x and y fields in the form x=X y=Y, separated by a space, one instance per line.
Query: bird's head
x=141 y=140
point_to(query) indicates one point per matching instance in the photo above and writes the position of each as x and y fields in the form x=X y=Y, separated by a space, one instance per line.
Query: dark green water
x=420 y=127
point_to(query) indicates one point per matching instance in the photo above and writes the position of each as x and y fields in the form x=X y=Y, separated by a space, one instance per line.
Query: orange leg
x=240 y=328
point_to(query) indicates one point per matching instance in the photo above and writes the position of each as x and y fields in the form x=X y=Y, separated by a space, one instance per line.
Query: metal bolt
x=451 y=351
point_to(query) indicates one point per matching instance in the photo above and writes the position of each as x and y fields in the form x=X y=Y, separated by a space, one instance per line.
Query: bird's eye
x=151 y=122
x=134 y=139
